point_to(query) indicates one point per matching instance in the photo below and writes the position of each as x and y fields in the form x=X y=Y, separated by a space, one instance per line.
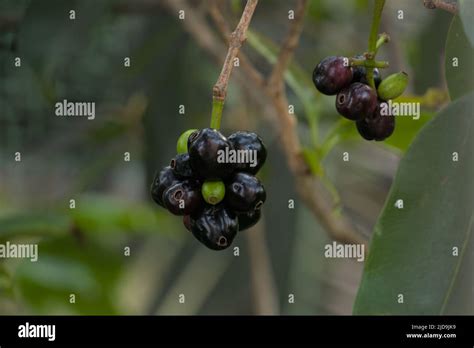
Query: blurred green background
x=82 y=250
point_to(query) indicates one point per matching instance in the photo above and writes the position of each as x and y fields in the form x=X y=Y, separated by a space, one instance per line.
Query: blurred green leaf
x=459 y=61
x=102 y=214
x=412 y=248
x=466 y=11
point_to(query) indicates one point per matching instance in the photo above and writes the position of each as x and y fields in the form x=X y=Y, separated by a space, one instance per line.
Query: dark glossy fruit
x=356 y=101
x=247 y=220
x=215 y=227
x=377 y=127
x=204 y=148
x=332 y=74
x=251 y=148
x=181 y=166
x=244 y=193
x=183 y=198
x=162 y=181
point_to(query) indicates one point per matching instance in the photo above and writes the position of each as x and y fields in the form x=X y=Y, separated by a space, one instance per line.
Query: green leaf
x=411 y=252
x=466 y=11
x=459 y=61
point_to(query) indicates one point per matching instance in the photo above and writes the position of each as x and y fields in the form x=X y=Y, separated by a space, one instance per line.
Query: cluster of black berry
x=216 y=196
x=355 y=99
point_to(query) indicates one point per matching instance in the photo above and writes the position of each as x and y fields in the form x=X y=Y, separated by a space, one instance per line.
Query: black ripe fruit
x=377 y=127
x=332 y=74
x=181 y=166
x=215 y=227
x=183 y=198
x=360 y=75
x=204 y=147
x=247 y=220
x=356 y=101
x=244 y=192
x=251 y=144
x=162 y=181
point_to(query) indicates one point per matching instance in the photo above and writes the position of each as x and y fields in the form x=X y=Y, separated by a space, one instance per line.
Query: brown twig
x=289 y=44
x=448 y=6
x=235 y=42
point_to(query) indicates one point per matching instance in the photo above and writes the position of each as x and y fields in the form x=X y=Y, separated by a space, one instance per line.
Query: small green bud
x=393 y=86
x=182 y=144
x=213 y=191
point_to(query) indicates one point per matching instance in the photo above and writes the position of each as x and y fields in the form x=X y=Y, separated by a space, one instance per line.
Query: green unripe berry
x=213 y=191
x=393 y=86
x=182 y=144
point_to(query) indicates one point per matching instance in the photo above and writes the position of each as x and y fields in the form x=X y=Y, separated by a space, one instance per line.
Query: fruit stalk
x=216 y=115
x=236 y=40
x=369 y=64
x=378 y=8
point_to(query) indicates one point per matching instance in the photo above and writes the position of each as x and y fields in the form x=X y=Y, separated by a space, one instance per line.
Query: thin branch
x=290 y=43
x=236 y=40
x=309 y=188
x=448 y=6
